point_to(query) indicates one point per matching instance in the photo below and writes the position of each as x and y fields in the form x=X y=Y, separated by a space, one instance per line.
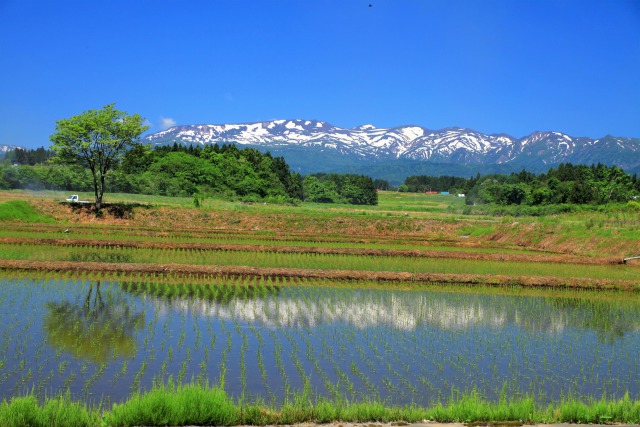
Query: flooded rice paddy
x=101 y=341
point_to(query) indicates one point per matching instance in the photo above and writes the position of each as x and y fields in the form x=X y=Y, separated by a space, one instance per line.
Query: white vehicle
x=76 y=199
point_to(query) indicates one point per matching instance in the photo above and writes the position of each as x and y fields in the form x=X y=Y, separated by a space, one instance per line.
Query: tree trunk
x=99 y=192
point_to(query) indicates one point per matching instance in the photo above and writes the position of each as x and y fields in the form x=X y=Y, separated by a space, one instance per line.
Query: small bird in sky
x=370 y=5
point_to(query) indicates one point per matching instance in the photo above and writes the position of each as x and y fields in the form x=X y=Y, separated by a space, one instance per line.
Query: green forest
x=244 y=174
x=566 y=184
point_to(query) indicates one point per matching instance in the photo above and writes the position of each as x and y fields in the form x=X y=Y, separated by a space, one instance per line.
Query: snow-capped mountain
x=5 y=148
x=413 y=142
x=458 y=146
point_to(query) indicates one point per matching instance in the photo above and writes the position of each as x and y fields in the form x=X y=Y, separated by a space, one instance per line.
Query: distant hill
x=397 y=152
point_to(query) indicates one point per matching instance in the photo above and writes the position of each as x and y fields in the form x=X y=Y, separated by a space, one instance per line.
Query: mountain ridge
x=457 y=146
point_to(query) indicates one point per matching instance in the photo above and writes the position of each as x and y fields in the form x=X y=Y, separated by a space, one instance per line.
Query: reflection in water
x=98 y=328
x=360 y=311
x=104 y=341
x=312 y=307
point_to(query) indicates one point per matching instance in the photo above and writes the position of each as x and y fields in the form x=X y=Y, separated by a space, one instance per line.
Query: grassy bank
x=199 y=405
x=21 y=210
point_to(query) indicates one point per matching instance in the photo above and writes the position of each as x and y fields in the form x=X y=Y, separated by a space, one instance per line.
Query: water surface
x=103 y=340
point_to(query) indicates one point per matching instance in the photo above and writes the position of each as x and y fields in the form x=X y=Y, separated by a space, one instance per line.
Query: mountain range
x=317 y=146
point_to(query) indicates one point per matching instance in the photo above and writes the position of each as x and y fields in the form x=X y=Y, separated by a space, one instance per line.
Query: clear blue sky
x=512 y=66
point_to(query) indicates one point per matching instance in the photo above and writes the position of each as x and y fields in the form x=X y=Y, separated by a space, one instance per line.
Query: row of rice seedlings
x=313 y=361
x=213 y=238
x=277 y=355
x=231 y=280
x=313 y=261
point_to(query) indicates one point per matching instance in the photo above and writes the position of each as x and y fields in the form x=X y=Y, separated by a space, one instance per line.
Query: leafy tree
x=382 y=184
x=281 y=169
x=542 y=196
x=421 y=183
x=581 y=192
x=611 y=184
x=340 y=188
x=296 y=190
x=97 y=139
x=137 y=160
x=357 y=189
x=514 y=194
x=320 y=191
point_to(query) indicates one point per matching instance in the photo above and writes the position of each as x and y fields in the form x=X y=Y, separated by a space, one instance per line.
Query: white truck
x=76 y=199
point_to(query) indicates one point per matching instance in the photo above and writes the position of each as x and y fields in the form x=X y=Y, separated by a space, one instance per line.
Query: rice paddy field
x=264 y=339
x=408 y=304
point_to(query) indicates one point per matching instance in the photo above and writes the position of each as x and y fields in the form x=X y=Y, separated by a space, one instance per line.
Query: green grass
x=54 y=412
x=195 y=404
x=20 y=210
x=476 y=231
x=190 y=404
x=388 y=201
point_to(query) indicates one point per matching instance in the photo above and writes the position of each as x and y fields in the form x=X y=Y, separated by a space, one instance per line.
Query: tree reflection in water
x=98 y=328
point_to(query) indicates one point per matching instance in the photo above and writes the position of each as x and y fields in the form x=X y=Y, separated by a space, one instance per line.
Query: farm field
x=407 y=303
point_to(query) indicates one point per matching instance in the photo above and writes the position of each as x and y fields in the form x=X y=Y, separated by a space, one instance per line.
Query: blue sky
x=494 y=66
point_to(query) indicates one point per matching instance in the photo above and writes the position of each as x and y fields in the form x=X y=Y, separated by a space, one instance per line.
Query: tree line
x=250 y=175
x=245 y=174
x=571 y=184
x=23 y=156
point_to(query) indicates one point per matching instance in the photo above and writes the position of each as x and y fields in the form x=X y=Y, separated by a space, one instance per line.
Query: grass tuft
x=190 y=404
x=58 y=411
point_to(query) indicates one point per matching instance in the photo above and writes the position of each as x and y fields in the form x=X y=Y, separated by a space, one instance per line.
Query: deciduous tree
x=97 y=139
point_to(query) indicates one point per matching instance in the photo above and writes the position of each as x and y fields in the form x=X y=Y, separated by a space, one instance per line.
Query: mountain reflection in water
x=300 y=307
